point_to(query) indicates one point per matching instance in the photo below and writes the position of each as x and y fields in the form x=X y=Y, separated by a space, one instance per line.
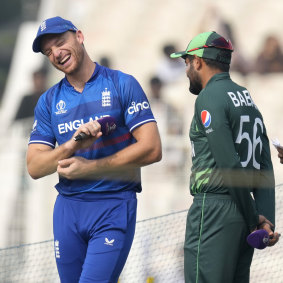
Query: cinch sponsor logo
x=136 y=107
x=74 y=125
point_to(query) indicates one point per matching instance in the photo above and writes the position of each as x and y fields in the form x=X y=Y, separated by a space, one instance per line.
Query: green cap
x=207 y=45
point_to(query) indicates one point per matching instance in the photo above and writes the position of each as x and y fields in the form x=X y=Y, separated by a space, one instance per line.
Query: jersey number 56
x=253 y=142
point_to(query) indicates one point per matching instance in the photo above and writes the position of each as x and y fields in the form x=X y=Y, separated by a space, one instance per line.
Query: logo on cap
x=43 y=26
x=205 y=118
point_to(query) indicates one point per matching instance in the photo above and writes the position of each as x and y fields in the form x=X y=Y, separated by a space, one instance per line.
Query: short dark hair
x=216 y=64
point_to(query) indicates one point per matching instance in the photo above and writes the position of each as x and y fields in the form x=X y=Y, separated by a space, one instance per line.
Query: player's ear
x=80 y=36
x=198 y=62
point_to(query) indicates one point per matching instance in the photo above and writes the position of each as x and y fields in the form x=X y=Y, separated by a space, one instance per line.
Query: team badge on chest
x=106 y=98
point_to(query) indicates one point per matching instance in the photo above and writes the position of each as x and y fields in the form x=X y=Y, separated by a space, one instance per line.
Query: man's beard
x=195 y=81
x=195 y=87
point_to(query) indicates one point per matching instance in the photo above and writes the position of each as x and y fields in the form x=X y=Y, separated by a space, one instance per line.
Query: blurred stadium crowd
x=134 y=37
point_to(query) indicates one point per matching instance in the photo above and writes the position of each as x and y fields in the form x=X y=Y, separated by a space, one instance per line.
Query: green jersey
x=230 y=149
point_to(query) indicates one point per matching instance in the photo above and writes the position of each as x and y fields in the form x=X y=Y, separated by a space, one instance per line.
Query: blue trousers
x=93 y=234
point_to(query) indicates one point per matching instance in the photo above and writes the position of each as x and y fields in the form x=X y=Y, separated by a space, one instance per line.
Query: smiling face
x=65 y=51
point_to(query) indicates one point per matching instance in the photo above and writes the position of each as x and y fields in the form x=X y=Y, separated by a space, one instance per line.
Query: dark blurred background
x=12 y=14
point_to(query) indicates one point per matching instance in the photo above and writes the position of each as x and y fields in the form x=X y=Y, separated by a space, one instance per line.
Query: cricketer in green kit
x=232 y=177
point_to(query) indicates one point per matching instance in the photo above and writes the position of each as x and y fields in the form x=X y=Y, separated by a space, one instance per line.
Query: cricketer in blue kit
x=95 y=211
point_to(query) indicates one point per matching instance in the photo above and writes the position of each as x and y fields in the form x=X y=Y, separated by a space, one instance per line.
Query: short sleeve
x=137 y=110
x=42 y=128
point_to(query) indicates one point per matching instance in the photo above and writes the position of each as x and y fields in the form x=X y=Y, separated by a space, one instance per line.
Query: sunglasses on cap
x=220 y=42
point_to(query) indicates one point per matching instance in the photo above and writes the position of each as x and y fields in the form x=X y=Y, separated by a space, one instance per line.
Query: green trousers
x=215 y=248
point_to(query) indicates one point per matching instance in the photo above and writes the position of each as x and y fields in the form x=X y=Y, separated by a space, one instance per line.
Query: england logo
x=106 y=98
x=205 y=118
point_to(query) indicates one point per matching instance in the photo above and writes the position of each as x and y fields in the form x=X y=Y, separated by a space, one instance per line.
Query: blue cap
x=53 y=25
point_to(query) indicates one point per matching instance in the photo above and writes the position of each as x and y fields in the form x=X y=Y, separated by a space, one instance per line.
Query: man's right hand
x=93 y=132
x=265 y=224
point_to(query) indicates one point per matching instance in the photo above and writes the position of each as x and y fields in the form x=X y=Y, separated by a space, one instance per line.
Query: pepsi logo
x=205 y=118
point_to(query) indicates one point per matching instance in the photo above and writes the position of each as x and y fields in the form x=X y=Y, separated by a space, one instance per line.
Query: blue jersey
x=61 y=110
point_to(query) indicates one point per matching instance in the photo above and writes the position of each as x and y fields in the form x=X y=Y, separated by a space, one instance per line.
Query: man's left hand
x=73 y=168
